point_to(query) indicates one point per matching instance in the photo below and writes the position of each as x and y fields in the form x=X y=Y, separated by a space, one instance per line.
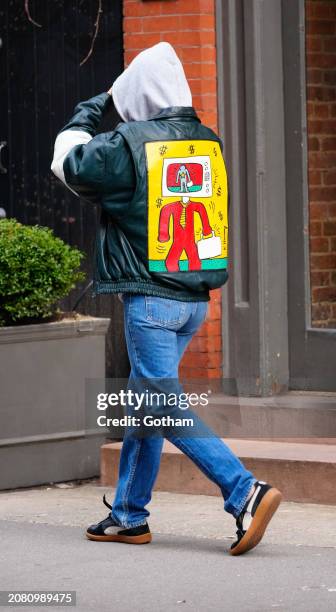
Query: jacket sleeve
x=165 y=213
x=206 y=227
x=91 y=165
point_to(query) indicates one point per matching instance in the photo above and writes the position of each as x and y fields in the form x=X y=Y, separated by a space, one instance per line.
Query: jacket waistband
x=147 y=288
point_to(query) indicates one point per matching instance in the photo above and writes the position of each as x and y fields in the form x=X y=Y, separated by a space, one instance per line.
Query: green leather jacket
x=112 y=169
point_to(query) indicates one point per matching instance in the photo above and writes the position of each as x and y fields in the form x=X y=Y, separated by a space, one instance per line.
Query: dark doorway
x=41 y=81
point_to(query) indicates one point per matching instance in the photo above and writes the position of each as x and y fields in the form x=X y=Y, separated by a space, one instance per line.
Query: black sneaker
x=108 y=531
x=255 y=516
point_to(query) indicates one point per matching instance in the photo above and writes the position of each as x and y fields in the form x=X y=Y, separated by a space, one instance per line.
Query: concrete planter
x=43 y=369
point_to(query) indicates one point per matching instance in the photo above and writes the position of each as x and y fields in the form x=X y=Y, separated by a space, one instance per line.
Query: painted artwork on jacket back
x=187 y=206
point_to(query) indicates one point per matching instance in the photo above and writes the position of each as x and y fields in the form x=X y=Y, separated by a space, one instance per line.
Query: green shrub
x=36 y=270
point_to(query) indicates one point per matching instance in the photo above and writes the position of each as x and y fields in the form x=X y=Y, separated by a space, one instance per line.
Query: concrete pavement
x=185 y=568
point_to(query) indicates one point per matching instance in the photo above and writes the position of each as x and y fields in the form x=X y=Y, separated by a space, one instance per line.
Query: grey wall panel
x=251 y=110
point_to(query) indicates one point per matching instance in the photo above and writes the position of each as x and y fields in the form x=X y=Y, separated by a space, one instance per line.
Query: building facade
x=263 y=75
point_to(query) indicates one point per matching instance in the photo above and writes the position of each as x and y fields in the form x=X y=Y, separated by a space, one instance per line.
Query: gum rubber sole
x=145 y=538
x=265 y=511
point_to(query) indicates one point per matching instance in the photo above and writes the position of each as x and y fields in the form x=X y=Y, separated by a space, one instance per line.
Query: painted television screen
x=184 y=177
x=187 y=175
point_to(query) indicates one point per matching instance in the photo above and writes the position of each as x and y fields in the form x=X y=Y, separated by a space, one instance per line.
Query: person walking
x=131 y=172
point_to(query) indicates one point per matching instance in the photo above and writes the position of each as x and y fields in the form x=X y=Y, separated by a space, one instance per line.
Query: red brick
x=315 y=177
x=320 y=279
x=326 y=28
x=210 y=328
x=196 y=85
x=333 y=282
x=202 y=360
x=201 y=372
x=203 y=344
x=207 y=37
x=315 y=92
x=196 y=69
x=133 y=24
x=188 y=7
x=320 y=9
x=329 y=144
x=332 y=210
x=321 y=110
x=320 y=312
x=207 y=6
x=196 y=54
x=333 y=245
x=322 y=160
x=215 y=310
x=310 y=110
x=183 y=39
x=319 y=245
x=324 y=294
x=329 y=228
x=323 y=262
x=313 y=44
x=322 y=194
x=141 y=9
x=313 y=143
x=314 y=76
x=207 y=86
x=322 y=127
x=162 y=23
x=209 y=119
x=329 y=45
x=329 y=177
x=216 y=293
x=320 y=60
x=329 y=76
x=315 y=228
x=140 y=41
x=310 y=9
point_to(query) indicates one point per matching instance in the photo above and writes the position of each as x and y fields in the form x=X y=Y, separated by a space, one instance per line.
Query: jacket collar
x=176 y=112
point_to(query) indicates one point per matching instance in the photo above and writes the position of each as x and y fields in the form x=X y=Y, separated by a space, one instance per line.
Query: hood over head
x=154 y=80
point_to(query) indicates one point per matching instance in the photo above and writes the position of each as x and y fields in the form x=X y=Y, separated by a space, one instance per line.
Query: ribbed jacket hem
x=148 y=288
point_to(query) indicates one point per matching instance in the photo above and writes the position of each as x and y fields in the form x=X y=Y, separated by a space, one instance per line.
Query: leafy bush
x=36 y=270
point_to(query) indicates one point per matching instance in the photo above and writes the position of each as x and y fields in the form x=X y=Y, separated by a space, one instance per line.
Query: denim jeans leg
x=138 y=468
x=154 y=352
x=140 y=458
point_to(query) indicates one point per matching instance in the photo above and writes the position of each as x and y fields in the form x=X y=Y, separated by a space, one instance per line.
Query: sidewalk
x=185 y=568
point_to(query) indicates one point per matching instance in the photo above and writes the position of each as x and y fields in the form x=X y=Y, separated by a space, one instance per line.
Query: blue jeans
x=158 y=331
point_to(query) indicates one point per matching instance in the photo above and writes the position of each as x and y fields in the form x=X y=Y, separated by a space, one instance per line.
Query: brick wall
x=189 y=25
x=321 y=112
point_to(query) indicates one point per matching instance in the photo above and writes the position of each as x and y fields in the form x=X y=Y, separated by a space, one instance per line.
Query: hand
x=110 y=91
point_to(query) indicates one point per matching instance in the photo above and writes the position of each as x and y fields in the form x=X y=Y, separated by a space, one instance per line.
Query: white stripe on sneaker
x=253 y=498
x=112 y=530
x=247 y=518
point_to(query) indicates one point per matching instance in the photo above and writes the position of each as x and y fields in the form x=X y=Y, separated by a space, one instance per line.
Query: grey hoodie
x=154 y=80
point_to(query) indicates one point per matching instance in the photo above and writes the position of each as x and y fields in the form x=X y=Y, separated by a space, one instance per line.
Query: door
x=41 y=81
x=270 y=344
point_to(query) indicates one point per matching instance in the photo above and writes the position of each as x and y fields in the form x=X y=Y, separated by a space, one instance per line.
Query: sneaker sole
x=146 y=538
x=265 y=511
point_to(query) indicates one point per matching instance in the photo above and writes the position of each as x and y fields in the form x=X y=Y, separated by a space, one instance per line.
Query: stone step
x=304 y=471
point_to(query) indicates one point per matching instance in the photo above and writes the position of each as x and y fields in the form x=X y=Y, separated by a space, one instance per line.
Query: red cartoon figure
x=183 y=231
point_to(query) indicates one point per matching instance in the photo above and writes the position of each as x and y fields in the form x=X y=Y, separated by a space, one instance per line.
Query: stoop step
x=303 y=471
